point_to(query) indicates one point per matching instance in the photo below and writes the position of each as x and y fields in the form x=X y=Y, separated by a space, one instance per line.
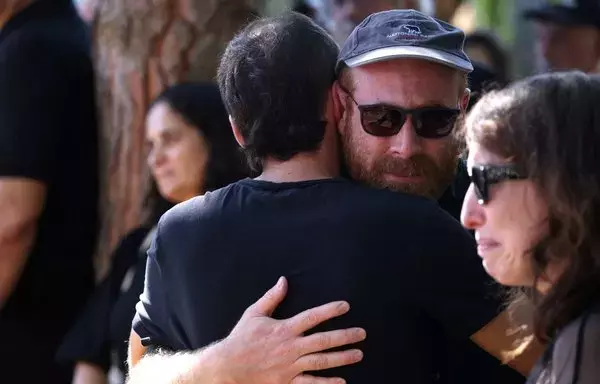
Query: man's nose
x=406 y=143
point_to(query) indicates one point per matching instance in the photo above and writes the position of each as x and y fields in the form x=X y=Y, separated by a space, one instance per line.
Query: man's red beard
x=437 y=175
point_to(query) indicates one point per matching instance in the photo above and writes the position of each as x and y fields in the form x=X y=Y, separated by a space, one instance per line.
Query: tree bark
x=141 y=47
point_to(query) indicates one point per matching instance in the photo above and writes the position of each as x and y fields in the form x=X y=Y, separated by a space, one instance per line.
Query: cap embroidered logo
x=411 y=29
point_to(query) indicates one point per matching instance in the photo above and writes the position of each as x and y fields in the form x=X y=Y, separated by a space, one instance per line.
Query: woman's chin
x=504 y=277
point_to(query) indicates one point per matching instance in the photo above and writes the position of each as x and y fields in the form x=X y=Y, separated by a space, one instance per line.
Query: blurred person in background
x=344 y=15
x=191 y=151
x=568 y=35
x=534 y=204
x=48 y=184
x=490 y=61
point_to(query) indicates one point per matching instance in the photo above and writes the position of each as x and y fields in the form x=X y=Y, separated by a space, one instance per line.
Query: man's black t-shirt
x=405 y=265
x=48 y=133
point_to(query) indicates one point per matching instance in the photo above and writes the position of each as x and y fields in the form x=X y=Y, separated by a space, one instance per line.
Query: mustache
x=419 y=165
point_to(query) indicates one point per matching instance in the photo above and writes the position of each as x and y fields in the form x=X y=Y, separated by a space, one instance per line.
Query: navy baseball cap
x=572 y=13
x=404 y=33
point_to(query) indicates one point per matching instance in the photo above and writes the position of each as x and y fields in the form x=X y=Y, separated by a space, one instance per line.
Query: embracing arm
x=258 y=350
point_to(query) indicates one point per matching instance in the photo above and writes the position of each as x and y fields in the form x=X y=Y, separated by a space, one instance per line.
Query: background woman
x=191 y=150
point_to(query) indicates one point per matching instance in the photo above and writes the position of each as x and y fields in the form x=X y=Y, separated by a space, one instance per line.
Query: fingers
x=307 y=379
x=310 y=318
x=270 y=300
x=325 y=340
x=321 y=361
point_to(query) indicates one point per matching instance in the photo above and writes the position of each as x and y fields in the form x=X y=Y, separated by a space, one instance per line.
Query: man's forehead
x=407 y=82
x=406 y=67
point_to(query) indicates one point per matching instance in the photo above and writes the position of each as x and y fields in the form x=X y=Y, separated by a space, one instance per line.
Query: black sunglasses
x=385 y=120
x=482 y=176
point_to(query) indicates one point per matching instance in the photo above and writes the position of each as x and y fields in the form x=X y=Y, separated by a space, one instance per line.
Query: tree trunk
x=142 y=46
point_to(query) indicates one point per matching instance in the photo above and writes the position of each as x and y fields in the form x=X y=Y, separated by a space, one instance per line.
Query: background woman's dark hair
x=497 y=54
x=549 y=126
x=200 y=105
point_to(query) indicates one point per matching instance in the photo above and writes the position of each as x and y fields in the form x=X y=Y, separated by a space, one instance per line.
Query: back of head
x=549 y=127
x=274 y=77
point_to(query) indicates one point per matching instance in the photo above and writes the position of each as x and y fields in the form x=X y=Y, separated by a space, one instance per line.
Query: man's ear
x=464 y=100
x=236 y=133
x=339 y=105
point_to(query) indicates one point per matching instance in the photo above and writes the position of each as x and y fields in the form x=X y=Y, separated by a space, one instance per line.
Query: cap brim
x=408 y=52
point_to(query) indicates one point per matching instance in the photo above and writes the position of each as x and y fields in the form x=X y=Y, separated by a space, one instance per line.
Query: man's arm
x=258 y=350
x=21 y=204
x=34 y=105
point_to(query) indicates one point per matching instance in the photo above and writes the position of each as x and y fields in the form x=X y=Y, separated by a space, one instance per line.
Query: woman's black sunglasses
x=385 y=120
x=482 y=176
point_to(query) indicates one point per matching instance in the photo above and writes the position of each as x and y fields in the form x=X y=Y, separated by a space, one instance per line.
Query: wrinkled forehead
x=408 y=83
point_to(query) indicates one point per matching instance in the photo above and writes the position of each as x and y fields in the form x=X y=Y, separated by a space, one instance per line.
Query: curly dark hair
x=200 y=105
x=274 y=78
x=549 y=127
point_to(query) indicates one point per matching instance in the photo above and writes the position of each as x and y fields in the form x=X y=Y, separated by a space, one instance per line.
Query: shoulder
x=196 y=211
x=577 y=348
x=585 y=325
x=418 y=212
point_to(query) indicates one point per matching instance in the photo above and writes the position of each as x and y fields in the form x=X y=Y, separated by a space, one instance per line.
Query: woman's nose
x=471 y=215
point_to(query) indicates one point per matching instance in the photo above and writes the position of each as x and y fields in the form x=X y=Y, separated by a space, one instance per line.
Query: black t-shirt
x=48 y=132
x=405 y=265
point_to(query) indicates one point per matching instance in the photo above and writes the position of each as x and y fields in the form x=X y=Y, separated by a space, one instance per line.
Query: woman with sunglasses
x=534 y=204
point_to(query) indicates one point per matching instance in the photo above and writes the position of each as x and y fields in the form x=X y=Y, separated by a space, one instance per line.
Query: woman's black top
x=102 y=329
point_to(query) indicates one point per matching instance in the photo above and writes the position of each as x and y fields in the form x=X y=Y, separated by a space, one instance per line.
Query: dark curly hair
x=274 y=78
x=200 y=105
x=549 y=127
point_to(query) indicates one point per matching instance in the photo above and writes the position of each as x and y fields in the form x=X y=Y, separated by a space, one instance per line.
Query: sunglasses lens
x=381 y=121
x=479 y=183
x=435 y=123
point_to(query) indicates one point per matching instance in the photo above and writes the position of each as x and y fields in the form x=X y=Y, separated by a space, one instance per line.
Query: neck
x=301 y=167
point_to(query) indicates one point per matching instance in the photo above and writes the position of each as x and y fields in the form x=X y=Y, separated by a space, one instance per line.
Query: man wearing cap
x=568 y=35
x=394 y=63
